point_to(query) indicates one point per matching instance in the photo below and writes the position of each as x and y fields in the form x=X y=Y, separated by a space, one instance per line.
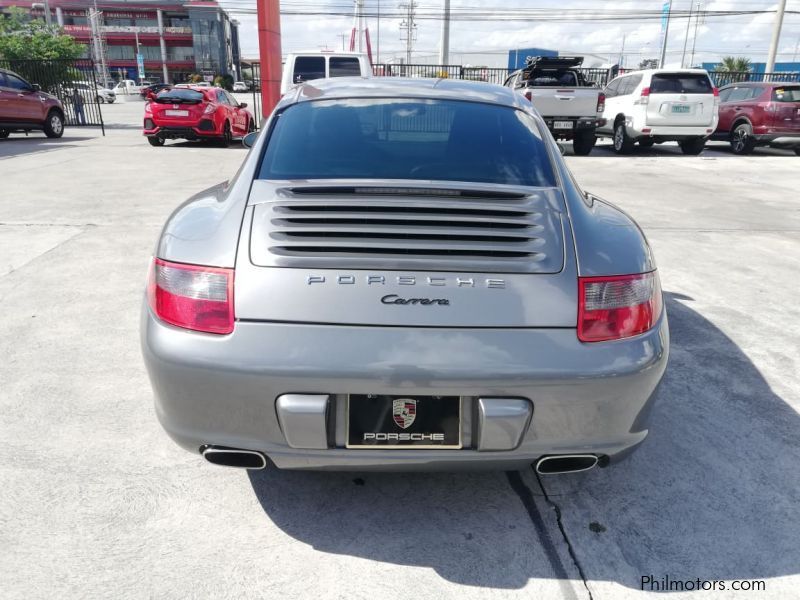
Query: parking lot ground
x=97 y=501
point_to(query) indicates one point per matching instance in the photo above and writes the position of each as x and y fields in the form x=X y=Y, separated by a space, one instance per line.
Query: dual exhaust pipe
x=233 y=457
x=252 y=460
x=567 y=463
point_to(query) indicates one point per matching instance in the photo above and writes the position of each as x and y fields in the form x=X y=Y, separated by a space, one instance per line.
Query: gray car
x=404 y=275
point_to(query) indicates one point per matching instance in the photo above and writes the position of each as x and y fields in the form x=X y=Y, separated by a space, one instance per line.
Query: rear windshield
x=407 y=139
x=681 y=83
x=786 y=94
x=552 y=78
x=180 y=96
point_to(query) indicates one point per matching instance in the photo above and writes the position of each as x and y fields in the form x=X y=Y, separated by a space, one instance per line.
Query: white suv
x=661 y=105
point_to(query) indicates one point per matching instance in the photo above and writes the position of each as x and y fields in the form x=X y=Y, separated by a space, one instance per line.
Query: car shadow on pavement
x=712 y=494
x=17 y=145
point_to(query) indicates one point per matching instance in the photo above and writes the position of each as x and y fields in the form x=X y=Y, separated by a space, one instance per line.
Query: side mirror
x=250 y=139
x=36 y=87
x=243 y=105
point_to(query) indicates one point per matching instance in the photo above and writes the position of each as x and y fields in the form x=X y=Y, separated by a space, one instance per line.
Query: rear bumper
x=579 y=124
x=205 y=128
x=222 y=390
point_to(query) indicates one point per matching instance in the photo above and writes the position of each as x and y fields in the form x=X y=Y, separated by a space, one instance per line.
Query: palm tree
x=734 y=64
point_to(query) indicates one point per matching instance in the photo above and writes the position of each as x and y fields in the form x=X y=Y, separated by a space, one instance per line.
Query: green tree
x=22 y=38
x=734 y=64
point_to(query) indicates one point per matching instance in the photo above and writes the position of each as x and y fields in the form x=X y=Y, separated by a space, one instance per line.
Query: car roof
x=403 y=87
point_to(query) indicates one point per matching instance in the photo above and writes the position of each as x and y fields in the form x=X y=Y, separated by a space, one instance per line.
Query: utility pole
x=666 y=13
x=776 y=36
x=696 y=24
x=378 y=60
x=796 y=46
x=444 y=45
x=622 y=52
x=409 y=27
x=47 y=18
x=686 y=39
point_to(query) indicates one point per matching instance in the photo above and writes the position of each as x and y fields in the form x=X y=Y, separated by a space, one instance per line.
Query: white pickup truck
x=571 y=106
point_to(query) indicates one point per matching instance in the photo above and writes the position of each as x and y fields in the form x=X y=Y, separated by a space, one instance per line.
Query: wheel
x=111 y=100
x=647 y=143
x=742 y=141
x=693 y=146
x=227 y=136
x=623 y=143
x=54 y=124
x=251 y=126
x=4 y=133
x=583 y=143
x=155 y=140
x=796 y=150
x=101 y=100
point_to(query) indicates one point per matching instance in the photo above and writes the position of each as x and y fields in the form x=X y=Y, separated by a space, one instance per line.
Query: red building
x=174 y=37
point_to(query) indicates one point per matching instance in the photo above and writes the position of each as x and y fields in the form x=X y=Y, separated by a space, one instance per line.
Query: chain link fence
x=73 y=82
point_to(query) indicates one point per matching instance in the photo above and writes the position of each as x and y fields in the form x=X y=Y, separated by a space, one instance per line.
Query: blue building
x=516 y=58
x=780 y=67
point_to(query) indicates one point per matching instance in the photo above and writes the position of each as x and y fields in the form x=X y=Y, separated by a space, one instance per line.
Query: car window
x=612 y=88
x=724 y=94
x=222 y=98
x=180 y=96
x=396 y=138
x=2 y=79
x=786 y=94
x=231 y=100
x=740 y=94
x=344 y=67
x=307 y=68
x=681 y=83
x=16 y=83
x=631 y=82
x=624 y=86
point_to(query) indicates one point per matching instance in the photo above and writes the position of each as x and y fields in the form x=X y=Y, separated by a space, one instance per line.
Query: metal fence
x=721 y=78
x=73 y=82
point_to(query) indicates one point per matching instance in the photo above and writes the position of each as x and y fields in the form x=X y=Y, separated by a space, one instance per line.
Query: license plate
x=562 y=124
x=403 y=422
x=177 y=113
x=681 y=108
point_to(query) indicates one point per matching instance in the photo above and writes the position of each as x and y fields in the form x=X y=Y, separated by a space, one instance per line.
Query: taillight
x=716 y=95
x=612 y=308
x=644 y=96
x=529 y=96
x=192 y=296
x=601 y=103
x=210 y=108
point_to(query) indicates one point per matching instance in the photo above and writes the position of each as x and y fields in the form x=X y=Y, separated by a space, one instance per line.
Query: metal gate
x=73 y=82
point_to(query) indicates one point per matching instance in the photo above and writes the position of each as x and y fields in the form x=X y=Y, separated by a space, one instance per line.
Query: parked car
x=305 y=66
x=196 y=113
x=660 y=105
x=154 y=89
x=89 y=89
x=571 y=106
x=127 y=87
x=24 y=107
x=239 y=86
x=759 y=114
x=419 y=284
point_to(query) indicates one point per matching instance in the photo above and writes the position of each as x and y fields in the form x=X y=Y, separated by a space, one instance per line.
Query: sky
x=589 y=26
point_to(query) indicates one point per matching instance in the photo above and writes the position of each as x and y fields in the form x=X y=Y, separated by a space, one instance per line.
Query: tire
x=742 y=141
x=647 y=143
x=101 y=100
x=4 y=133
x=227 y=136
x=796 y=150
x=155 y=140
x=583 y=143
x=111 y=100
x=623 y=143
x=693 y=147
x=54 y=124
x=251 y=126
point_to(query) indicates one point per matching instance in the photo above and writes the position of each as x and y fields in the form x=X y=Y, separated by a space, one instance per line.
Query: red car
x=196 y=113
x=23 y=107
x=759 y=114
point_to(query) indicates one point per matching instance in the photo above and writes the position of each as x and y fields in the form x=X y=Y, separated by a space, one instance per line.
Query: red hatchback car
x=196 y=113
x=759 y=114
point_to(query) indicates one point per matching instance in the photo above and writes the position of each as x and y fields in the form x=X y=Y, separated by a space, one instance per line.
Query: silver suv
x=404 y=275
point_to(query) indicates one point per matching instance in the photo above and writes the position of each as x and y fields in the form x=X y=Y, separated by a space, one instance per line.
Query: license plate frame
x=563 y=125
x=374 y=414
x=176 y=113
x=681 y=109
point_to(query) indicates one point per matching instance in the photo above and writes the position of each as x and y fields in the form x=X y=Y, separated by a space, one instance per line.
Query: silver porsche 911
x=404 y=275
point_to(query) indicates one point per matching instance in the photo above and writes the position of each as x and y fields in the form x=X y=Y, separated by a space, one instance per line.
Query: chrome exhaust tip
x=233 y=457
x=566 y=463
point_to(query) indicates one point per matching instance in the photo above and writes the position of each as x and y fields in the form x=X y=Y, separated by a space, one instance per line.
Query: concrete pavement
x=97 y=500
